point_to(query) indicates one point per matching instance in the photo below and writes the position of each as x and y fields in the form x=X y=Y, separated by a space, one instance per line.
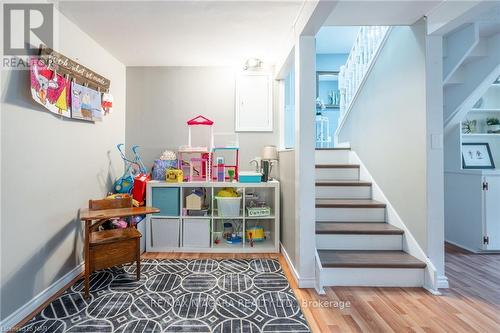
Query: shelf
x=225 y=245
x=227 y=218
x=268 y=192
x=269 y=217
x=480 y=134
x=485 y=110
x=266 y=244
x=196 y=217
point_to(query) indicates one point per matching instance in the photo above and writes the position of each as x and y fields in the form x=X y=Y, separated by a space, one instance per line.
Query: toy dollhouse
x=225 y=156
x=197 y=165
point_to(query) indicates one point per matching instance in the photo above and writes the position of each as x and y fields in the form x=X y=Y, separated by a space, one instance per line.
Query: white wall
x=387 y=126
x=288 y=227
x=51 y=167
x=305 y=214
x=161 y=99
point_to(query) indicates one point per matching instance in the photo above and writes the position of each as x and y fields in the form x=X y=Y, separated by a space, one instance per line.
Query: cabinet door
x=254 y=97
x=492 y=212
x=164 y=233
x=196 y=233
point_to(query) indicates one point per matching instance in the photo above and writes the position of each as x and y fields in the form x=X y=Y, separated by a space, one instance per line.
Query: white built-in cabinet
x=472 y=197
x=472 y=209
x=254 y=102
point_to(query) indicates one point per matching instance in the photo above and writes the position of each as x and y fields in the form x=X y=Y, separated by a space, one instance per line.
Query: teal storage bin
x=249 y=177
x=167 y=200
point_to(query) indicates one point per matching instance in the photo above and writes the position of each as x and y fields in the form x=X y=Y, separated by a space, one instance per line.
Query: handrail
x=352 y=77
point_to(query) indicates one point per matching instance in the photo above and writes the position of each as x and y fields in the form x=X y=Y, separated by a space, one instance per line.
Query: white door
x=492 y=212
x=254 y=103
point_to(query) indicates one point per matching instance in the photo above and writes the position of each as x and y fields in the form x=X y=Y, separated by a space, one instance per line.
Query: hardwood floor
x=472 y=304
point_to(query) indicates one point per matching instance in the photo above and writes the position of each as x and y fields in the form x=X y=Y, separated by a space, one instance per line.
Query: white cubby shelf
x=172 y=231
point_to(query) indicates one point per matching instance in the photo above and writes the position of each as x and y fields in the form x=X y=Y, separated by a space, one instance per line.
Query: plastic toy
x=230 y=173
x=195 y=200
x=168 y=155
x=197 y=168
x=225 y=145
x=125 y=183
x=120 y=224
x=174 y=176
x=255 y=234
x=199 y=121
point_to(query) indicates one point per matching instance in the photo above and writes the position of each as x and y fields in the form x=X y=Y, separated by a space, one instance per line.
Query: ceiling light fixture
x=252 y=64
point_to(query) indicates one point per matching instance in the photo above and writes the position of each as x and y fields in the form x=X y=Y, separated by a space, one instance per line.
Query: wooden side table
x=109 y=248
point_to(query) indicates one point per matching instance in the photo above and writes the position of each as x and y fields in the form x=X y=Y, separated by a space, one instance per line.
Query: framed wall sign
x=477 y=156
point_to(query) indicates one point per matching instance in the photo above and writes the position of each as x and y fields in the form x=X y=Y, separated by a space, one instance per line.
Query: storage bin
x=167 y=200
x=228 y=206
x=196 y=233
x=249 y=177
x=164 y=233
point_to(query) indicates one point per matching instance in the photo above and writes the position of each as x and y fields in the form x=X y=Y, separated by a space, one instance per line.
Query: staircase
x=470 y=65
x=355 y=244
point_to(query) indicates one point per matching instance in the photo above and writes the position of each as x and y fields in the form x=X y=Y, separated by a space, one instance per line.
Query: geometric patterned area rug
x=229 y=295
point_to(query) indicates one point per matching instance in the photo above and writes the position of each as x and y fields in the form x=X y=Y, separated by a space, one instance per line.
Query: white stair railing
x=352 y=74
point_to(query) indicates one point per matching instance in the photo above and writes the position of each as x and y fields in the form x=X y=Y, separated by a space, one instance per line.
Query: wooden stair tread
x=337 y=166
x=356 y=228
x=326 y=182
x=113 y=235
x=368 y=259
x=344 y=203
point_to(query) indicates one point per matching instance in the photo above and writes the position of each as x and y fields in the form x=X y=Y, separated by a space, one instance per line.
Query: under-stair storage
x=355 y=244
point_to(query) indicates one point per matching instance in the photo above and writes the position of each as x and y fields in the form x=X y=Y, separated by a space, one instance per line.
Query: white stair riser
x=359 y=242
x=351 y=214
x=373 y=277
x=343 y=192
x=337 y=173
x=332 y=156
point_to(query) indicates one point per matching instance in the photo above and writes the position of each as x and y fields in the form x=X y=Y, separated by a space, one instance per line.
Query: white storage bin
x=228 y=206
x=196 y=233
x=164 y=233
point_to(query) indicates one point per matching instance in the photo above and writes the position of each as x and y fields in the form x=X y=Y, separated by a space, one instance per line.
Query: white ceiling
x=186 y=33
x=335 y=39
x=374 y=12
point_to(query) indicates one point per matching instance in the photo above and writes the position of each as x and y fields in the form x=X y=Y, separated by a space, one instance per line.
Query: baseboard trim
x=24 y=311
x=442 y=282
x=301 y=282
x=465 y=248
x=290 y=264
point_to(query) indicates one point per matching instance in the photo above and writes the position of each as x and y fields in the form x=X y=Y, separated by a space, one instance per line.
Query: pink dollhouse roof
x=200 y=120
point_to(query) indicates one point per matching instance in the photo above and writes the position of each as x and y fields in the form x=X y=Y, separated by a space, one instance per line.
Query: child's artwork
x=107 y=103
x=49 y=89
x=85 y=103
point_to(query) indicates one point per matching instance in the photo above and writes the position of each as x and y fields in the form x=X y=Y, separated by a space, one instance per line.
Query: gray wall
x=287 y=189
x=387 y=126
x=161 y=99
x=51 y=167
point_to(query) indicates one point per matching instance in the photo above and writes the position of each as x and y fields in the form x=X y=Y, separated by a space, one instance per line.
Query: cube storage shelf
x=173 y=231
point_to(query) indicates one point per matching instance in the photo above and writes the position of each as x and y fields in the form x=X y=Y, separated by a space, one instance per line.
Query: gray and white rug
x=178 y=296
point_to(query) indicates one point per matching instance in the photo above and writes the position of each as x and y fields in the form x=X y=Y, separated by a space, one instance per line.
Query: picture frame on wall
x=477 y=156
